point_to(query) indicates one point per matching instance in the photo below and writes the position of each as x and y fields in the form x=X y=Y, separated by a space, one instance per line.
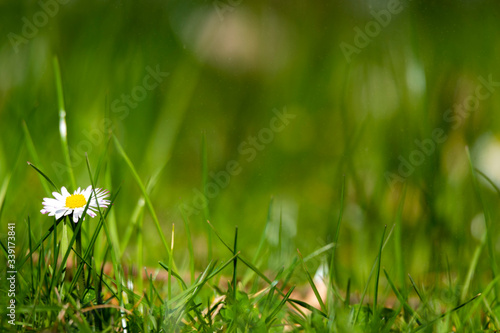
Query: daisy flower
x=65 y=203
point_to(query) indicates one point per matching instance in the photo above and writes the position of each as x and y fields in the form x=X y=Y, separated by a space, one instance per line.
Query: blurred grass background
x=230 y=64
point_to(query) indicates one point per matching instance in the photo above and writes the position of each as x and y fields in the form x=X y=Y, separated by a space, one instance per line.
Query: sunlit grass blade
x=472 y=267
x=136 y=219
x=43 y=175
x=3 y=190
x=264 y=233
x=204 y=187
x=333 y=269
x=312 y=284
x=177 y=276
x=374 y=266
x=190 y=243
x=398 y=245
x=401 y=299
x=63 y=128
x=487 y=222
x=271 y=317
x=35 y=248
x=34 y=155
x=486 y=291
x=308 y=306
x=377 y=276
x=447 y=313
x=146 y=198
x=170 y=264
x=491 y=182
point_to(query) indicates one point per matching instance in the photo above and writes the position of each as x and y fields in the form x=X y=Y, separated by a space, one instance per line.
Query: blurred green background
x=229 y=65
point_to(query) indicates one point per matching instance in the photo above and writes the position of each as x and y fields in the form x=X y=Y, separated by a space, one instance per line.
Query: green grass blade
x=377 y=276
x=365 y=290
x=308 y=307
x=401 y=299
x=204 y=182
x=34 y=155
x=264 y=234
x=312 y=284
x=136 y=219
x=170 y=272
x=472 y=267
x=146 y=198
x=190 y=243
x=447 y=313
x=270 y=318
x=63 y=128
x=35 y=248
x=333 y=270
x=170 y=264
x=398 y=247
x=43 y=175
x=3 y=190
x=487 y=221
x=235 y=247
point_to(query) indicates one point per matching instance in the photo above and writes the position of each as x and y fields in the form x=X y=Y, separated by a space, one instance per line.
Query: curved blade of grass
x=177 y=276
x=401 y=299
x=447 y=313
x=487 y=222
x=3 y=190
x=377 y=277
x=263 y=236
x=312 y=284
x=333 y=270
x=170 y=263
x=35 y=248
x=355 y=318
x=204 y=182
x=472 y=267
x=485 y=293
x=308 y=307
x=270 y=318
x=136 y=219
x=398 y=247
x=235 y=261
x=482 y=174
x=43 y=175
x=146 y=198
x=34 y=155
x=63 y=129
x=190 y=243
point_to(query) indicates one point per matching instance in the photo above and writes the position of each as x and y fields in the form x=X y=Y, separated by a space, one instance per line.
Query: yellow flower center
x=76 y=201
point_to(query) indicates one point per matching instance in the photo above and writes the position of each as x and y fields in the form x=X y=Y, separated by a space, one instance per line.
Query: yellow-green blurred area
x=387 y=94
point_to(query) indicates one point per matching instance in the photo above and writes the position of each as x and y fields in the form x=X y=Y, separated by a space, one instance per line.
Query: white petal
x=65 y=192
x=87 y=193
x=51 y=202
x=59 y=214
x=58 y=196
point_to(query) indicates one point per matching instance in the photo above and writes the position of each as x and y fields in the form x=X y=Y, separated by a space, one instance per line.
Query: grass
x=57 y=294
x=308 y=235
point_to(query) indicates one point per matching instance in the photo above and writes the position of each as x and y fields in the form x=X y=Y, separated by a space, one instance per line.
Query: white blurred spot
x=415 y=78
x=478 y=226
x=487 y=153
x=241 y=42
